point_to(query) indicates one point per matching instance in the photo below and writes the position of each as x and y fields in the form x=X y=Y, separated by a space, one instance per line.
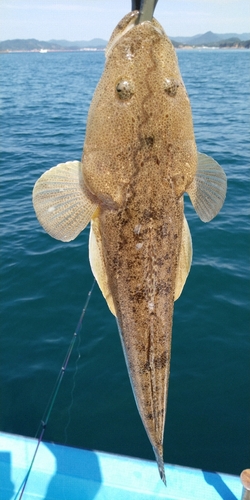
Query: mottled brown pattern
x=139 y=156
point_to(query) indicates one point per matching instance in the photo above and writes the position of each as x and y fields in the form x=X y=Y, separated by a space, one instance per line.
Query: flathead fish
x=139 y=159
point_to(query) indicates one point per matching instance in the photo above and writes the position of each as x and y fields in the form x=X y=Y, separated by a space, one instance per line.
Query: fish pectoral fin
x=97 y=263
x=208 y=189
x=61 y=201
x=185 y=259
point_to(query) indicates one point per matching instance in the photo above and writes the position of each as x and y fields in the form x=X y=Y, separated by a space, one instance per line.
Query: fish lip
x=131 y=24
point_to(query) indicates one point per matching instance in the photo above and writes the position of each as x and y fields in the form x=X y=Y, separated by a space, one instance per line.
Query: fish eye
x=124 y=89
x=170 y=86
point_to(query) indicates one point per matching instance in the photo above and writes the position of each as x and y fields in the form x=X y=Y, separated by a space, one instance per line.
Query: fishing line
x=45 y=419
x=72 y=392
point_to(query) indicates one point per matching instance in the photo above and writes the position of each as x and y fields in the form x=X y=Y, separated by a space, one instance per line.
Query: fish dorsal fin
x=97 y=261
x=208 y=188
x=185 y=259
x=61 y=202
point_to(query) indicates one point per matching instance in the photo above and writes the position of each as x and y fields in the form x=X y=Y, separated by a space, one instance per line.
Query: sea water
x=44 y=283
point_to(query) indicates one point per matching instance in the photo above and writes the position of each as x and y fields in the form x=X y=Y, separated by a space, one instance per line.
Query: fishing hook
x=146 y=9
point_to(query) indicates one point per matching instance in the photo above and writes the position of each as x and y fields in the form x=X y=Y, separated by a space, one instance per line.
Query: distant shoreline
x=36 y=51
x=206 y=41
x=45 y=51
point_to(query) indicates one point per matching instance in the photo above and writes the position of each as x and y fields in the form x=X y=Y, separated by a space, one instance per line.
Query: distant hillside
x=96 y=42
x=233 y=43
x=209 y=37
x=230 y=43
x=58 y=45
x=28 y=45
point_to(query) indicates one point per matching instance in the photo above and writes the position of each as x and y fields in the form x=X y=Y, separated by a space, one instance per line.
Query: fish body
x=141 y=182
x=139 y=158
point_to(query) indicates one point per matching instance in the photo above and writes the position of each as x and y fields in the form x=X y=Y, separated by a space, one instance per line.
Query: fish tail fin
x=159 y=459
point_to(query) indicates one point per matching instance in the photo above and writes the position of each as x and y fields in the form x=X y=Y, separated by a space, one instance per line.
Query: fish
x=139 y=158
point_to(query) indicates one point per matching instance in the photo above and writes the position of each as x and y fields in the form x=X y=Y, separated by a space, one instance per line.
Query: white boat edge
x=73 y=474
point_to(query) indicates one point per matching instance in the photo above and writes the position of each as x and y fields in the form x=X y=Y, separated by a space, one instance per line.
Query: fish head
x=140 y=110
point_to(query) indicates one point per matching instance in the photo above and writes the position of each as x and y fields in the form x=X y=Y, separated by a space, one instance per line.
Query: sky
x=87 y=19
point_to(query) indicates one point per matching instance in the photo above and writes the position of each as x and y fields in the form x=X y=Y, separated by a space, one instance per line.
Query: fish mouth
x=126 y=24
x=136 y=17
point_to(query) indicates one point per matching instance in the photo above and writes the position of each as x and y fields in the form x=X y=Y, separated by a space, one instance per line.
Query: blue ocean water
x=44 y=283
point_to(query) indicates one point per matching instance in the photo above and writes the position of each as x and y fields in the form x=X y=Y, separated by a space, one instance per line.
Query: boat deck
x=65 y=473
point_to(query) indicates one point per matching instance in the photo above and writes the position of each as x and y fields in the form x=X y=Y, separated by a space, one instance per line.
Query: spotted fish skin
x=151 y=158
x=141 y=249
x=139 y=158
x=152 y=120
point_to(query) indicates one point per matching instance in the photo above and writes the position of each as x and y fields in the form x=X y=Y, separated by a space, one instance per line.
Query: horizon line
x=100 y=38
